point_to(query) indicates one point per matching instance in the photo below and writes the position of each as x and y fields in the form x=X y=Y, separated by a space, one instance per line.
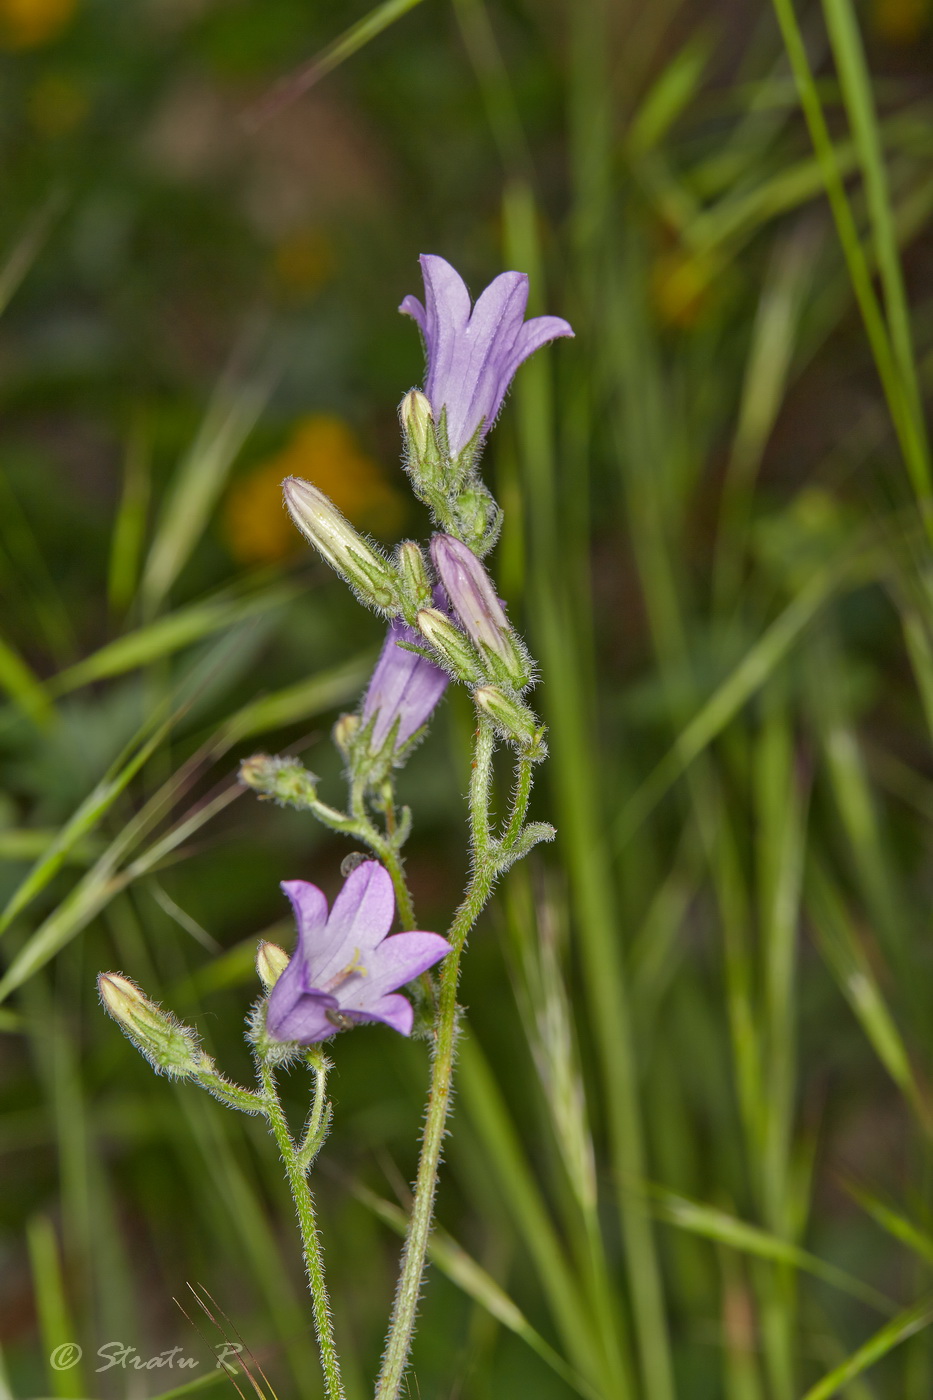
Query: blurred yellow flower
x=680 y=286
x=304 y=261
x=56 y=105
x=900 y=21
x=25 y=24
x=325 y=451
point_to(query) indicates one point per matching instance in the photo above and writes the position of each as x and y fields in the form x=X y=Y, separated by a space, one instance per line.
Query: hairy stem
x=483 y=876
x=314 y=1263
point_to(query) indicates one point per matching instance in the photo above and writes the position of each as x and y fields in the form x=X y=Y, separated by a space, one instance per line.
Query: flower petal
x=397 y=960
x=532 y=335
x=393 y=1010
x=310 y=907
x=360 y=919
x=293 y=1013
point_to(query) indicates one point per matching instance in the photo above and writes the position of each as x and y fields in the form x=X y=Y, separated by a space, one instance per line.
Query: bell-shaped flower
x=473 y=353
x=405 y=686
x=345 y=968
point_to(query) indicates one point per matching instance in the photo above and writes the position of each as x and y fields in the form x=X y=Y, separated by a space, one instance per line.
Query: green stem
x=314 y=1263
x=523 y=778
x=483 y=876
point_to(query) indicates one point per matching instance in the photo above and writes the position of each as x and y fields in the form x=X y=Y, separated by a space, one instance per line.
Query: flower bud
x=373 y=578
x=452 y=646
x=473 y=599
x=416 y=587
x=345 y=731
x=285 y=780
x=271 y=962
x=417 y=422
x=513 y=720
x=170 y=1047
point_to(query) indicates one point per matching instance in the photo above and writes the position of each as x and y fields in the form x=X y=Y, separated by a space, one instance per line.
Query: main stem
x=483 y=875
x=314 y=1263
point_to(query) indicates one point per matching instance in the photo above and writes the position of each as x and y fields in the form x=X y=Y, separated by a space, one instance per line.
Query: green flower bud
x=369 y=574
x=513 y=720
x=453 y=647
x=271 y=962
x=170 y=1047
x=416 y=587
x=345 y=731
x=285 y=780
x=417 y=422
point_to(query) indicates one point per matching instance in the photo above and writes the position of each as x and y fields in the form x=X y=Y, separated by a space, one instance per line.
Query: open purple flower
x=404 y=686
x=345 y=969
x=473 y=355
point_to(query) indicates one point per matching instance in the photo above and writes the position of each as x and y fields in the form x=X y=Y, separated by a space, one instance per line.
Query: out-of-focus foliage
x=694 y=1130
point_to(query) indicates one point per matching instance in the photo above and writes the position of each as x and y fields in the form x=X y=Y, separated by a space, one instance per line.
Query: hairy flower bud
x=271 y=962
x=285 y=780
x=170 y=1047
x=345 y=731
x=513 y=720
x=374 y=579
x=473 y=599
x=453 y=647
x=416 y=586
x=417 y=422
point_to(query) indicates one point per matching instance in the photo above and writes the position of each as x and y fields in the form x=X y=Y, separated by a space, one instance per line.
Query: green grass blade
x=718 y=1225
x=755 y=668
x=905 y=1325
x=55 y=1322
x=859 y=272
x=860 y=106
x=129 y=530
x=319 y=693
x=91 y=811
x=177 y=630
x=855 y=976
x=23 y=686
x=356 y=37
x=897 y=1225
x=200 y=478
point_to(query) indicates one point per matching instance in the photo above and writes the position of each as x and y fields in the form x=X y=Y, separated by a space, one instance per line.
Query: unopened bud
x=285 y=780
x=453 y=647
x=374 y=579
x=513 y=720
x=345 y=731
x=271 y=962
x=417 y=422
x=170 y=1047
x=473 y=599
x=416 y=587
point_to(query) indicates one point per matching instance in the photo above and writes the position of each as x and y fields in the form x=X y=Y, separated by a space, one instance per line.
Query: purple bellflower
x=473 y=354
x=345 y=969
x=404 y=686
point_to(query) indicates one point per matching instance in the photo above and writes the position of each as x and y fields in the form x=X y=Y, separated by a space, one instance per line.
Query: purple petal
x=395 y=1011
x=533 y=334
x=310 y=907
x=360 y=919
x=412 y=307
x=293 y=1013
x=404 y=686
x=397 y=960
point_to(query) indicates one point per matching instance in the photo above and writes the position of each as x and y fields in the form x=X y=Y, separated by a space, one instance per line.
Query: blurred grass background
x=692 y=1147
